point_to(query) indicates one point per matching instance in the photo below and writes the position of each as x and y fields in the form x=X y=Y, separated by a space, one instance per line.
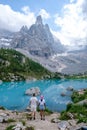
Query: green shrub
x=28 y=116
x=11 y=120
x=76 y=97
x=23 y=122
x=16 y=112
x=29 y=128
x=48 y=111
x=82 y=119
x=2 y=108
x=64 y=116
x=69 y=105
x=10 y=127
x=85 y=105
x=79 y=111
x=15 y=63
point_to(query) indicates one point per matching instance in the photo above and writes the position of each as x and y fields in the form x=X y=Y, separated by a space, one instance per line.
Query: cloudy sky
x=67 y=19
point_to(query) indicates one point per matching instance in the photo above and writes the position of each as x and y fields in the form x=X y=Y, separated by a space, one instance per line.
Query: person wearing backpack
x=42 y=106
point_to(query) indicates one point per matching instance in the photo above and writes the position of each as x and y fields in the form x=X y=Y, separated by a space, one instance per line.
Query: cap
x=41 y=97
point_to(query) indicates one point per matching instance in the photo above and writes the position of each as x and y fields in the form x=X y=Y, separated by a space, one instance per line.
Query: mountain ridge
x=38 y=39
x=14 y=66
x=39 y=43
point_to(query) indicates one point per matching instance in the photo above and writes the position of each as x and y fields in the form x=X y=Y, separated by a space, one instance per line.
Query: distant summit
x=39 y=44
x=38 y=39
x=24 y=29
x=39 y=20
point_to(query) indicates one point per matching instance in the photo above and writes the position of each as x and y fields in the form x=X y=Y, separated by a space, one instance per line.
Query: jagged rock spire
x=39 y=20
x=24 y=28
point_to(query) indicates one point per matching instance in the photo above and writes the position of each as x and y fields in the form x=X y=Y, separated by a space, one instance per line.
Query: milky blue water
x=12 y=94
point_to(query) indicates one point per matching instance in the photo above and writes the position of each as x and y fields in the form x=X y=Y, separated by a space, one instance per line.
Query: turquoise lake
x=12 y=94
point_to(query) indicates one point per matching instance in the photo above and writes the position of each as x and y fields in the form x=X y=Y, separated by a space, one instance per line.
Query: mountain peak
x=39 y=20
x=24 y=29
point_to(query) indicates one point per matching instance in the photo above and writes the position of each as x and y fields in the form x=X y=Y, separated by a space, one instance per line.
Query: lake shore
x=37 y=124
x=51 y=121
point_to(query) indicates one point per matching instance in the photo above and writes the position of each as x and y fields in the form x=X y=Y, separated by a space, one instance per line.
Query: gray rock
x=63 y=125
x=55 y=120
x=82 y=102
x=32 y=90
x=70 y=115
x=19 y=126
x=3 y=117
x=38 y=40
x=70 y=88
x=63 y=94
x=72 y=122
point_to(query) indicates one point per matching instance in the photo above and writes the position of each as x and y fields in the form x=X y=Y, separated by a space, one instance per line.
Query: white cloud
x=73 y=25
x=26 y=9
x=13 y=20
x=71 y=1
x=44 y=14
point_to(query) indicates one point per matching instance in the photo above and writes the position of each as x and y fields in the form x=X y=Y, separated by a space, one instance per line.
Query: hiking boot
x=34 y=118
x=44 y=118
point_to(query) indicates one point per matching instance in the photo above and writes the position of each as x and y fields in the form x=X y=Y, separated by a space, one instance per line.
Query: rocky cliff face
x=38 y=39
x=40 y=45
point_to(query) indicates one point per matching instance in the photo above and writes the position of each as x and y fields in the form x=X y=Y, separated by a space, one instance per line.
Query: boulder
x=63 y=125
x=82 y=102
x=70 y=115
x=19 y=126
x=32 y=90
x=3 y=117
x=70 y=88
x=63 y=94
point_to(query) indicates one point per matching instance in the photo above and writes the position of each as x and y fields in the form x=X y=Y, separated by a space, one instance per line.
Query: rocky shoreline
x=22 y=121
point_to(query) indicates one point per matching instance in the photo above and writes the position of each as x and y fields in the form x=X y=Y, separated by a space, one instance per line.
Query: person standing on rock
x=42 y=106
x=33 y=105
